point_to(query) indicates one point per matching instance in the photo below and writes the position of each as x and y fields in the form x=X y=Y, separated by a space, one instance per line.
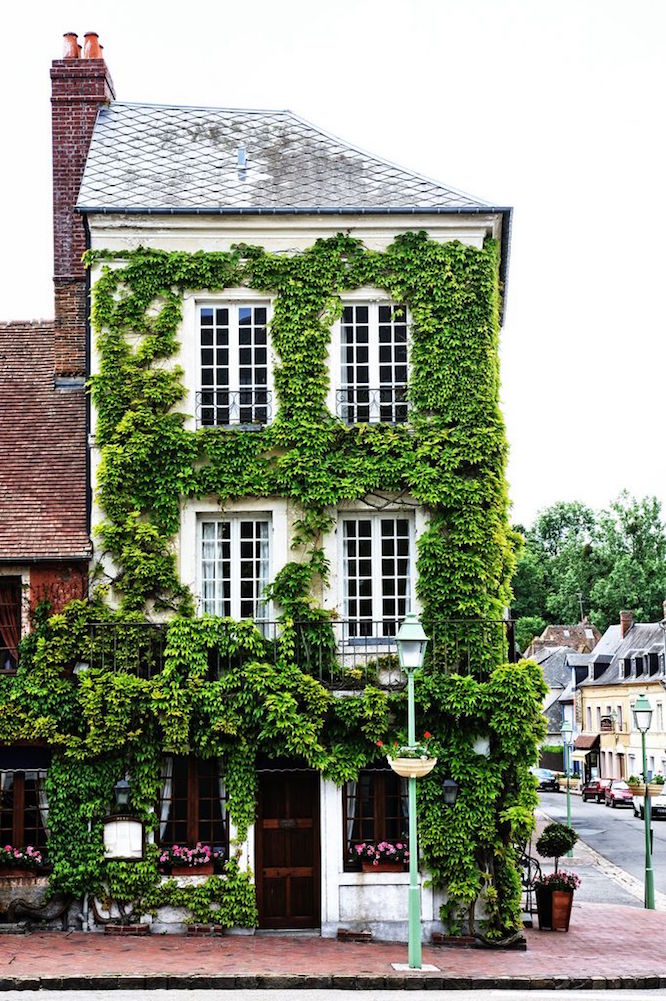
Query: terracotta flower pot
x=383 y=867
x=206 y=869
x=562 y=903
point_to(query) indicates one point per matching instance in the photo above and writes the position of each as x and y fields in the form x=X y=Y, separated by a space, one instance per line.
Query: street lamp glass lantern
x=566 y=732
x=411 y=642
x=642 y=713
x=449 y=792
x=121 y=791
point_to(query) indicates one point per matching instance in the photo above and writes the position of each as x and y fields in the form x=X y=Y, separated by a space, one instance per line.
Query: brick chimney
x=80 y=85
x=626 y=622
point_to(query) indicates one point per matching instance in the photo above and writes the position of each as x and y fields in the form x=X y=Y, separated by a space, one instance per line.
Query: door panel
x=287 y=850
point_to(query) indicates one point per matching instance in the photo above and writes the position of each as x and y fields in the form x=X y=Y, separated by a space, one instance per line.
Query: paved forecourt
x=589 y=957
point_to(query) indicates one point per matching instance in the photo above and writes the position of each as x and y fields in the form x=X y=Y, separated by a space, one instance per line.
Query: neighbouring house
x=293 y=439
x=627 y=661
x=552 y=650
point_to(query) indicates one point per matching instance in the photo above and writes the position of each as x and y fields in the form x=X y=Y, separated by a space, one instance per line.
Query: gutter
x=503 y=210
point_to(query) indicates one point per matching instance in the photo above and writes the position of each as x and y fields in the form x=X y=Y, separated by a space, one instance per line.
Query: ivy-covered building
x=294 y=439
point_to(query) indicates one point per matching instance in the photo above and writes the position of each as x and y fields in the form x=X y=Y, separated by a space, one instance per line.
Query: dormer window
x=640 y=665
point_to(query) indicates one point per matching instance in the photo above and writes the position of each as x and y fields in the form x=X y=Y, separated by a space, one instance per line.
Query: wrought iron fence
x=344 y=654
x=250 y=408
x=362 y=405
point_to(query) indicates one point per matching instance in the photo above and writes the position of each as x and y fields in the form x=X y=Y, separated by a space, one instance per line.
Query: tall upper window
x=235 y=566
x=376 y=573
x=373 y=346
x=10 y=622
x=235 y=367
x=193 y=803
x=23 y=809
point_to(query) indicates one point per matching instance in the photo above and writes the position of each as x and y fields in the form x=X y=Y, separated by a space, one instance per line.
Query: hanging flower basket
x=653 y=788
x=412 y=768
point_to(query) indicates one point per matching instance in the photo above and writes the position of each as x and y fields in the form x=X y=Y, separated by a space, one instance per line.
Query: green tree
x=607 y=561
x=631 y=541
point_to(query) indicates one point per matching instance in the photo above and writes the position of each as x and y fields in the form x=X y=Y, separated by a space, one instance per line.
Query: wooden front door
x=287 y=850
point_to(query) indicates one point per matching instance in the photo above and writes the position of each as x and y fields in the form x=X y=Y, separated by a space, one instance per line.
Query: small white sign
x=123 y=838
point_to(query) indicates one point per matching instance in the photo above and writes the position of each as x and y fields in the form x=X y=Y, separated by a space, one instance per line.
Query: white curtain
x=351 y=790
x=222 y=790
x=167 y=791
x=43 y=801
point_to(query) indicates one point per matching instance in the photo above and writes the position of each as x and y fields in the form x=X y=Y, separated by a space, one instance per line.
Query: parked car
x=618 y=793
x=657 y=805
x=595 y=789
x=545 y=778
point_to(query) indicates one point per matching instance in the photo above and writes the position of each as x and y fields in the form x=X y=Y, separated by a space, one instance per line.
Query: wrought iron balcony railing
x=362 y=405
x=343 y=654
x=250 y=408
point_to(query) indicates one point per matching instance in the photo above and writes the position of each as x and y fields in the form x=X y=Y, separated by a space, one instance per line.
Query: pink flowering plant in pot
x=21 y=858
x=380 y=854
x=201 y=857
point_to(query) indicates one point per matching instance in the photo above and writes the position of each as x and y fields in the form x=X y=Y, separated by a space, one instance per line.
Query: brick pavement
x=621 y=944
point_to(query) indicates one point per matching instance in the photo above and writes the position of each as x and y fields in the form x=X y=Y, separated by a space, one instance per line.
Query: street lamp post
x=643 y=720
x=411 y=642
x=566 y=747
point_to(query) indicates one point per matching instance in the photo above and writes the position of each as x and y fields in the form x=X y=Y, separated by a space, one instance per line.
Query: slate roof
x=643 y=637
x=43 y=467
x=147 y=157
x=554 y=664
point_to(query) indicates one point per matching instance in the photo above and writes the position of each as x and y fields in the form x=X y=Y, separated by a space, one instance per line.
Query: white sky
x=555 y=107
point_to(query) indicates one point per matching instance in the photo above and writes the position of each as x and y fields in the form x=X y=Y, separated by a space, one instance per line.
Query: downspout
x=86 y=228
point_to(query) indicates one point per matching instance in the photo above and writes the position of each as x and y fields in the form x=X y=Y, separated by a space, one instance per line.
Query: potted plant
x=179 y=860
x=555 y=840
x=557 y=887
x=16 y=862
x=411 y=760
x=382 y=856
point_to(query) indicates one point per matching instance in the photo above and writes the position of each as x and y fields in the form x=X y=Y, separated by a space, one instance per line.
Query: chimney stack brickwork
x=79 y=87
x=626 y=622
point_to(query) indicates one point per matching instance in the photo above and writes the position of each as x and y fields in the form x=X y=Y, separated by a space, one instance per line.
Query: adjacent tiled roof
x=43 y=448
x=582 y=638
x=160 y=157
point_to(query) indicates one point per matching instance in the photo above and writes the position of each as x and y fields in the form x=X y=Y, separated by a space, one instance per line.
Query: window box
x=207 y=869
x=383 y=867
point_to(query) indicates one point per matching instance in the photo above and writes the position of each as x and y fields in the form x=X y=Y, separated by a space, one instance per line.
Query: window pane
x=10 y=622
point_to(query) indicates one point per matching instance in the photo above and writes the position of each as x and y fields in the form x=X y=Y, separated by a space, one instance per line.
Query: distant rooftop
x=180 y=159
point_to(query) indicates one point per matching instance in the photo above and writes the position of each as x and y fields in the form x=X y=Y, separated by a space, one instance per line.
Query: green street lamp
x=411 y=642
x=567 y=733
x=643 y=720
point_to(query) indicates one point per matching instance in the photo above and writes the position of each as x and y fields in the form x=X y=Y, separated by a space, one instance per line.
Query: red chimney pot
x=72 y=47
x=626 y=622
x=91 y=49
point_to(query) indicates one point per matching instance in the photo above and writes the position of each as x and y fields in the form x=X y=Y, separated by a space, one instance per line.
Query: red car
x=595 y=789
x=618 y=793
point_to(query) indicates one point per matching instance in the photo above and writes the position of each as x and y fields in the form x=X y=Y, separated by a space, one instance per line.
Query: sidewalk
x=608 y=945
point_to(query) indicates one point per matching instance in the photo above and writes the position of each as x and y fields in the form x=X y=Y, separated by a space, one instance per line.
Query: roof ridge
x=200 y=107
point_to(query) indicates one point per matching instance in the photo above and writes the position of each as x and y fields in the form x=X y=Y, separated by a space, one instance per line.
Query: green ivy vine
x=449 y=458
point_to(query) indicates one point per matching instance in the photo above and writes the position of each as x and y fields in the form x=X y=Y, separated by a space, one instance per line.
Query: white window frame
x=375 y=518
x=234 y=519
x=373 y=298
x=233 y=300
